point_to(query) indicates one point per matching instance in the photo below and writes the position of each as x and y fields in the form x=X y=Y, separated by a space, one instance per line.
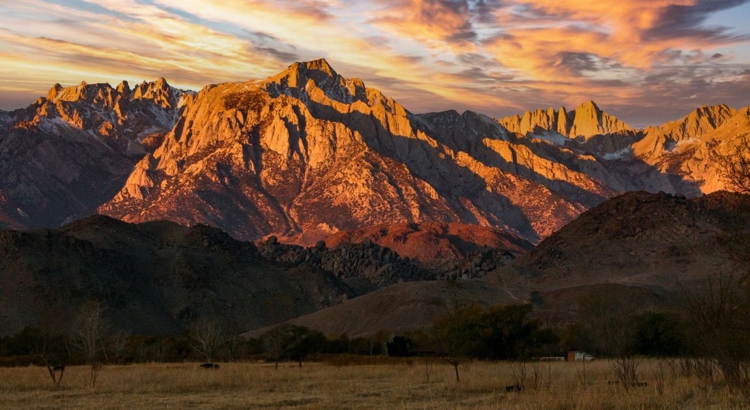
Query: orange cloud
x=427 y=20
x=490 y=55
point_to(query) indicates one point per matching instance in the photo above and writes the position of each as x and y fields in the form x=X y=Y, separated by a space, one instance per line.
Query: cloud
x=495 y=56
x=685 y=21
x=441 y=20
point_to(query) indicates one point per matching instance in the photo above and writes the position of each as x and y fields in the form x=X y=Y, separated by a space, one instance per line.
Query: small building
x=576 y=356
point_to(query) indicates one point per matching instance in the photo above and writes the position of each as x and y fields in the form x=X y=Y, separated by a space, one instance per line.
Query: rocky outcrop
x=70 y=151
x=431 y=241
x=364 y=266
x=585 y=122
x=688 y=149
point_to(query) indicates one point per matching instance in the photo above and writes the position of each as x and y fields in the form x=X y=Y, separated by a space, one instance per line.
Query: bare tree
x=206 y=337
x=719 y=310
x=610 y=322
x=117 y=346
x=50 y=350
x=735 y=166
x=161 y=348
x=274 y=342
x=236 y=348
x=89 y=337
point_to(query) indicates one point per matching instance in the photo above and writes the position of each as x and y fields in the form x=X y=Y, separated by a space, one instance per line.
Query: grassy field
x=413 y=384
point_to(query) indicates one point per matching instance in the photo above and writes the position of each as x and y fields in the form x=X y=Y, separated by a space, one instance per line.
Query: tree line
x=708 y=331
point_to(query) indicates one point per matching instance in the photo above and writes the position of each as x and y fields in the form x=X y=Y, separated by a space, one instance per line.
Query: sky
x=645 y=61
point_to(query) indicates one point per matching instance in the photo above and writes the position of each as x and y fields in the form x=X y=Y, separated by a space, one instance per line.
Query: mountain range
x=308 y=153
x=311 y=197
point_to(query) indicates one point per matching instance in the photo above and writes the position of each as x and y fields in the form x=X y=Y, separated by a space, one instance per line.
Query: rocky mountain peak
x=64 y=155
x=158 y=91
x=586 y=121
x=303 y=78
x=124 y=89
x=589 y=120
x=318 y=65
x=707 y=118
x=675 y=135
x=562 y=121
x=589 y=106
x=54 y=92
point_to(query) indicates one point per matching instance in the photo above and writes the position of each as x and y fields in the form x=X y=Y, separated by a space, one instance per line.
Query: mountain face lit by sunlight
x=495 y=57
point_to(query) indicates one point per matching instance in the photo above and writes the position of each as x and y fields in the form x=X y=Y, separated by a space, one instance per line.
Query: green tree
x=303 y=342
x=719 y=311
x=507 y=333
x=457 y=336
x=399 y=346
x=609 y=319
x=287 y=341
x=658 y=334
x=44 y=347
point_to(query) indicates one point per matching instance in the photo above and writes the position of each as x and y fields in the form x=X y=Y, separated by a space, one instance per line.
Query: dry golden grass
x=398 y=385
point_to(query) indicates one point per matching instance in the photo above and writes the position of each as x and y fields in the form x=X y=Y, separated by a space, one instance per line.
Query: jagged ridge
x=307 y=153
x=64 y=155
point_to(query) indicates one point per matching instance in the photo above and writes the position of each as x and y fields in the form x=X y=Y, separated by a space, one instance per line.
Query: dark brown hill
x=401 y=308
x=651 y=241
x=363 y=266
x=153 y=278
x=157 y=277
x=641 y=246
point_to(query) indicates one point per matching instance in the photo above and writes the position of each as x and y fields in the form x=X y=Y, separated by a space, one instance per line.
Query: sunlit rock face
x=676 y=157
x=691 y=146
x=307 y=153
x=584 y=122
x=70 y=151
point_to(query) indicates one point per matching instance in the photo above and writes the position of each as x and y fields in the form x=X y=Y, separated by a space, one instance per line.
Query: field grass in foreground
x=413 y=384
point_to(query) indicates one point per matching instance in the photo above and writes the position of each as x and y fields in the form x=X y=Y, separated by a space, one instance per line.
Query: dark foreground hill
x=641 y=239
x=653 y=247
x=158 y=277
x=402 y=308
x=646 y=248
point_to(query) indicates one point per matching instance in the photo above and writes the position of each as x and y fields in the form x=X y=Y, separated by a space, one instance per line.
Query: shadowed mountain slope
x=153 y=278
x=640 y=239
x=66 y=154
